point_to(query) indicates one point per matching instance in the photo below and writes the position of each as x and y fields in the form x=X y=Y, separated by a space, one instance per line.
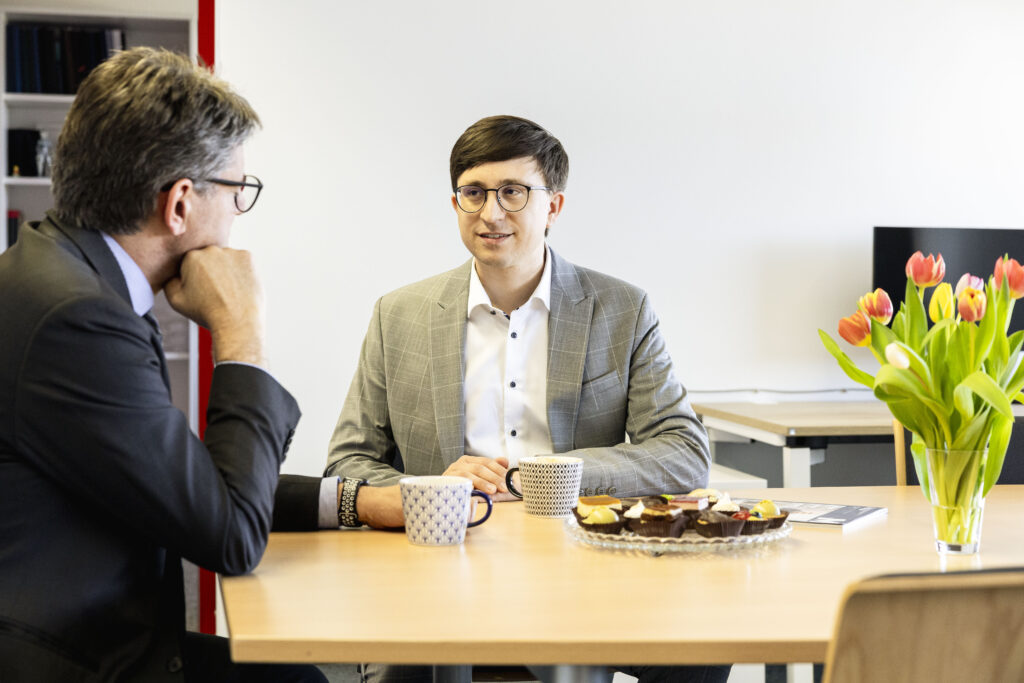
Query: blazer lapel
x=97 y=254
x=568 y=334
x=447 y=342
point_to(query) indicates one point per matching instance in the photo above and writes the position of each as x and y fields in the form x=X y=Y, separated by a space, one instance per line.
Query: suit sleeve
x=124 y=451
x=363 y=445
x=668 y=448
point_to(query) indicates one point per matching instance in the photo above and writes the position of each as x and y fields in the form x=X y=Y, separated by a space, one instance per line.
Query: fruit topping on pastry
x=766 y=508
x=601 y=515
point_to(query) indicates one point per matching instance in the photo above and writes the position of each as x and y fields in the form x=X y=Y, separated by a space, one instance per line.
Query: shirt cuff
x=328 y=517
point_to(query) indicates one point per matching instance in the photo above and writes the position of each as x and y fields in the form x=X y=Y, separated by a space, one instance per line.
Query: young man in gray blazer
x=516 y=353
x=103 y=486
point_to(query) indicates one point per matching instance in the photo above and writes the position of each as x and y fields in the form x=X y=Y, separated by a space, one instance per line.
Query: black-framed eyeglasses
x=248 y=192
x=512 y=197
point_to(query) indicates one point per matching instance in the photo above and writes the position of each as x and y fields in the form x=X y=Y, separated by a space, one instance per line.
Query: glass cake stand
x=689 y=542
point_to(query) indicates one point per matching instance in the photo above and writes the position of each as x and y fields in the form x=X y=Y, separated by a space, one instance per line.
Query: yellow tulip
x=941 y=305
x=971 y=304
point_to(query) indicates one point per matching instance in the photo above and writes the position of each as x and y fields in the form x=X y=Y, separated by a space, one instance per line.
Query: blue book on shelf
x=13 y=59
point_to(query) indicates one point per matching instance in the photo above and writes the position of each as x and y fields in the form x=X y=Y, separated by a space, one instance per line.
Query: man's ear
x=178 y=205
x=554 y=208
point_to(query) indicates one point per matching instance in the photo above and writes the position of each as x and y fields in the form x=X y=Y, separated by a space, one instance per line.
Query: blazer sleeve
x=363 y=445
x=668 y=449
x=122 y=450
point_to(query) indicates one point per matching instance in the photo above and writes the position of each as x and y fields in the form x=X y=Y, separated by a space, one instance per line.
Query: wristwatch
x=347 y=515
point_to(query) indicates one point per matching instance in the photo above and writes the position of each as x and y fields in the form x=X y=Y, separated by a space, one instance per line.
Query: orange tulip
x=926 y=272
x=856 y=329
x=1014 y=274
x=971 y=304
x=877 y=305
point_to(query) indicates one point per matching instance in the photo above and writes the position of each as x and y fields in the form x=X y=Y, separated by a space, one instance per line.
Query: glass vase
x=956 y=484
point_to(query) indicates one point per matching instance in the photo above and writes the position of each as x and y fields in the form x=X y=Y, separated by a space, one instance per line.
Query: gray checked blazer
x=609 y=376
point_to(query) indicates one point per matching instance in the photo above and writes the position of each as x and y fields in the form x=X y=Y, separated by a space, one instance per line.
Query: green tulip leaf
x=990 y=392
x=1000 y=439
x=848 y=366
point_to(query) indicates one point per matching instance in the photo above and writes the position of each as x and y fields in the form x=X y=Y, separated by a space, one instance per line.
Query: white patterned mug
x=437 y=509
x=551 y=484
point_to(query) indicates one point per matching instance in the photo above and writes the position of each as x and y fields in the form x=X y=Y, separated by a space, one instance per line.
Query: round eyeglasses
x=247 y=192
x=512 y=197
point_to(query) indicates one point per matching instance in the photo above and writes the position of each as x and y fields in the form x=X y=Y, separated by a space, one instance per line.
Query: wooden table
x=520 y=590
x=801 y=429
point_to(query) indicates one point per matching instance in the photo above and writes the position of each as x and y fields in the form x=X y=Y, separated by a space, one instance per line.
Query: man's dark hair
x=500 y=138
x=142 y=119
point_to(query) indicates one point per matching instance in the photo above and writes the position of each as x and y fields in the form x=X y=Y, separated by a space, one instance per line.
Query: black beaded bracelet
x=347 y=515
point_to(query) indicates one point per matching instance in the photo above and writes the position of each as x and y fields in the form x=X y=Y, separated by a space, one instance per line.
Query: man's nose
x=492 y=210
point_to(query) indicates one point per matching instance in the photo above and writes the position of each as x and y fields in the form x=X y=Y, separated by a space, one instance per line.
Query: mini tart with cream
x=660 y=520
x=603 y=520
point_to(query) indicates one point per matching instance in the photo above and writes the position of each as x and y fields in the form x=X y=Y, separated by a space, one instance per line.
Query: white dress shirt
x=505 y=387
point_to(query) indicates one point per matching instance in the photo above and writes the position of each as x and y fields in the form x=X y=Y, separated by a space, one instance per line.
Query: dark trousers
x=393 y=673
x=207 y=659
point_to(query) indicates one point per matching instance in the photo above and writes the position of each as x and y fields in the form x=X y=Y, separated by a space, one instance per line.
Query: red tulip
x=856 y=329
x=971 y=304
x=926 y=272
x=1014 y=274
x=877 y=305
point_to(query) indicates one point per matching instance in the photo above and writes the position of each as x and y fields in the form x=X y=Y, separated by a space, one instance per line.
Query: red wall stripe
x=207 y=579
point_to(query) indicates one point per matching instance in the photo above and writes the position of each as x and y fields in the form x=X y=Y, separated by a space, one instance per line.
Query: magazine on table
x=824 y=515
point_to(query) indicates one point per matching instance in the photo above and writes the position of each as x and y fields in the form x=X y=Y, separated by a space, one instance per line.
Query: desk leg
x=453 y=674
x=800 y=673
x=796 y=465
x=568 y=673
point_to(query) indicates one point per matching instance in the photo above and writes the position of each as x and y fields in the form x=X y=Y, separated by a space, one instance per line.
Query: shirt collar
x=478 y=295
x=138 y=286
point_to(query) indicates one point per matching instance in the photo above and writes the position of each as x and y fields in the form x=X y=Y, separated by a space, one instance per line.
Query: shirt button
x=174 y=665
x=515 y=334
x=493 y=312
x=513 y=432
x=512 y=384
x=600 y=490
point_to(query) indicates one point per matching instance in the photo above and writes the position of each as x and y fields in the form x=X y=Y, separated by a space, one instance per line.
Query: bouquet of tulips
x=951 y=384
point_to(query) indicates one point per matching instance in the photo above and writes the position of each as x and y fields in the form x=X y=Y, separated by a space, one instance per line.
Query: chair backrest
x=957 y=626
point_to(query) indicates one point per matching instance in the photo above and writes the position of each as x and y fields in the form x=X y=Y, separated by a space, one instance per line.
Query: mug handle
x=508 y=482
x=490 y=506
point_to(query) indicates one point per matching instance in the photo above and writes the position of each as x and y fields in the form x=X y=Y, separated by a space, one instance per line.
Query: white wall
x=730 y=157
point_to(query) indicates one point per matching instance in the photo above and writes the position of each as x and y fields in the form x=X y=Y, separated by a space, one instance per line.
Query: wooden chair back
x=901 y=452
x=958 y=626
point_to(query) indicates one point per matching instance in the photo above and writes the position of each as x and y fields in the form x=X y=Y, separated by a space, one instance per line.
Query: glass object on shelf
x=44 y=155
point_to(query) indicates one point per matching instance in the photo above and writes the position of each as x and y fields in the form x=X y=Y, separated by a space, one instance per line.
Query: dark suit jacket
x=103 y=487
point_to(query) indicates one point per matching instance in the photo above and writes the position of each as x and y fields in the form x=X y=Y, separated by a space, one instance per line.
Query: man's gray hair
x=141 y=120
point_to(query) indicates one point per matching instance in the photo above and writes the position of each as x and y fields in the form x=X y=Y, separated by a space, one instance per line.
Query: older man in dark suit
x=103 y=487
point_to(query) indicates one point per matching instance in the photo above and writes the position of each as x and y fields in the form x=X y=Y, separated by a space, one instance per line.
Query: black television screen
x=965 y=250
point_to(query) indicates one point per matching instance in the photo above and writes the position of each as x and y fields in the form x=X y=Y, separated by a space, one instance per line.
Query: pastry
x=711 y=524
x=660 y=520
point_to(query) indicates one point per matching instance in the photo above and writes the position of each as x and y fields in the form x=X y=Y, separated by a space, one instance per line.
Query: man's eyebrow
x=506 y=181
